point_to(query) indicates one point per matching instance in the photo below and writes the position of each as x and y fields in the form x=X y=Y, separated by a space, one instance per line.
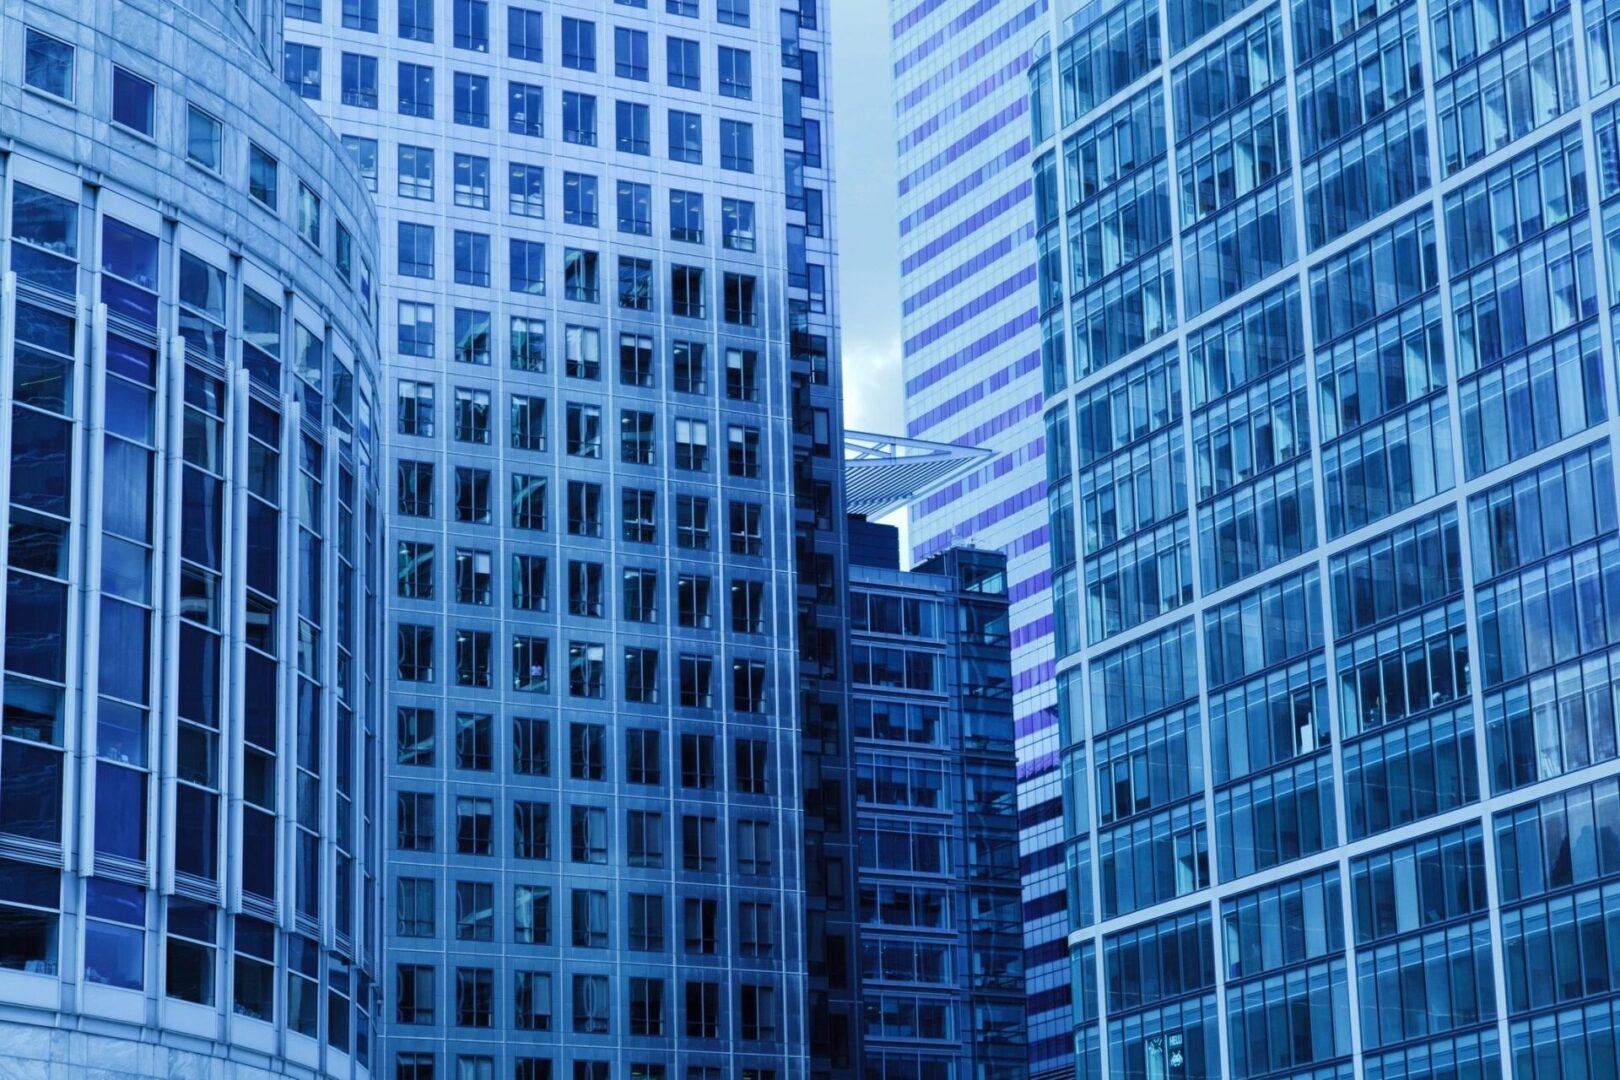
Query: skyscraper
x=610 y=416
x=1334 y=534
x=972 y=342
x=941 y=941
x=188 y=829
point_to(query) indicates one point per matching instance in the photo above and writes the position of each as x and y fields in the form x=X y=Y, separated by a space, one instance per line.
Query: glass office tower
x=971 y=338
x=610 y=416
x=941 y=941
x=188 y=826
x=1334 y=533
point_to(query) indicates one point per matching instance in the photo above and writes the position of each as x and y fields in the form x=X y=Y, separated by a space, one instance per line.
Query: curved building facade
x=187 y=841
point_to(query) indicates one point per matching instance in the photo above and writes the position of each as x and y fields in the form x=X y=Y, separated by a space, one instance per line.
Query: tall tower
x=973 y=339
x=188 y=826
x=613 y=632
x=1333 y=533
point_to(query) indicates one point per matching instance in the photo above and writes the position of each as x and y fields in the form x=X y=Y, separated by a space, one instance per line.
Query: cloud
x=874 y=394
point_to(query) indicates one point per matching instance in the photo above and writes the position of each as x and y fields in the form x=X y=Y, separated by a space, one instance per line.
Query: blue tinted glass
x=31 y=791
x=113 y=955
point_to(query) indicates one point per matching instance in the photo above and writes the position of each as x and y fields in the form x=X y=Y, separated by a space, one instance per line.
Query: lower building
x=188 y=847
x=940 y=937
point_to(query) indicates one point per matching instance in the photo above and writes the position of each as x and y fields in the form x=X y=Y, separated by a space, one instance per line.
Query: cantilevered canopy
x=884 y=473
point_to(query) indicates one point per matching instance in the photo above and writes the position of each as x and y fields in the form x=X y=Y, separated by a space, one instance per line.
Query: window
x=471 y=25
x=579 y=118
x=641 y=676
x=134 y=99
x=736 y=73
x=525 y=109
x=473 y=579
x=700 y=924
x=758 y=1009
x=587 y=751
x=585 y=589
x=413 y=994
x=416 y=89
x=472 y=495
x=415 y=570
x=416 y=488
x=636 y=437
x=693 y=596
x=742 y=374
x=688 y=8
x=591 y=1004
x=528 y=502
x=587 y=834
x=579 y=44
x=686 y=64
x=587 y=670
x=472 y=335
x=741 y=302
x=643 y=757
x=415 y=653
x=528 y=422
x=413 y=813
x=529 y=591
x=692 y=444
x=475 y=997
x=471 y=181
x=700 y=843
x=472 y=258
x=584 y=430
x=525 y=32
x=583 y=349
x=737 y=224
x=686 y=216
x=531 y=1000
x=414 y=735
x=415 y=172
x=736 y=146
x=411 y=1066
x=630 y=54
x=732 y=12
x=645 y=837
x=696 y=675
x=692 y=518
x=590 y=919
x=635 y=360
x=635 y=283
x=475 y=824
x=646 y=919
x=416 y=20
x=640 y=516
x=632 y=125
x=475 y=911
x=686 y=295
x=360 y=15
x=204 y=139
x=746 y=529
x=635 y=208
x=471 y=99
x=359 y=80
x=579 y=200
x=685 y=137
x=754 y=847
x=743 y=451
x=756 y=929
x=691 y=372
x=528 y=262
x=582 y=279
x=697 y=761
x=415 y=250
x=702 y=1010
x=527 y=191
x=531 y=914
x=748 y=607
x=748 y=686
x=531 y=830
x=262 y=178
x=309 y=216
x=415 y=328
x=646 y=1007
x=48 y=64
x=364 y=154
x=473 y=658
x=413 y=907
x=531 y=664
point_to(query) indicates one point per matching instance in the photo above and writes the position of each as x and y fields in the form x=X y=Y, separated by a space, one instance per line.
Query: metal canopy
x=885 y=473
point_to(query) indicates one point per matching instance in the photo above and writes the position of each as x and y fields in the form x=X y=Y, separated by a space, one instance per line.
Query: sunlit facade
x=1335 y=560
x=188 y=830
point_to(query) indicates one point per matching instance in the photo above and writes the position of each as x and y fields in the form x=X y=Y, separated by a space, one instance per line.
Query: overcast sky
x=868 y=233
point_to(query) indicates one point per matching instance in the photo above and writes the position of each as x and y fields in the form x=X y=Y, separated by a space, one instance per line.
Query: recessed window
x=204 y=139
x=134 y=100
x=48 y=64
x=261 y=176
x=309 y=215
